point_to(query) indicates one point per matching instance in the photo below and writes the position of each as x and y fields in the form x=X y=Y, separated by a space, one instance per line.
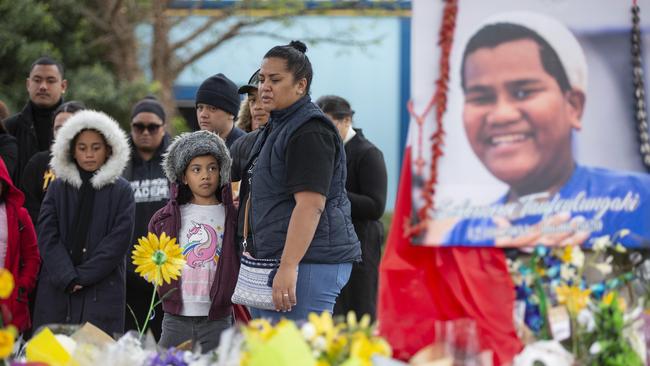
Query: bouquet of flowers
x=321 y=341
x=578 y=299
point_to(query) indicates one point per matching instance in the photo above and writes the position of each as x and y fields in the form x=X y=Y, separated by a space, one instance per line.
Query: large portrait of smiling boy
x=540 y=142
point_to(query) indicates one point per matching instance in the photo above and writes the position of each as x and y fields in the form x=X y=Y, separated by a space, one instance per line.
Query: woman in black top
x=299 y=212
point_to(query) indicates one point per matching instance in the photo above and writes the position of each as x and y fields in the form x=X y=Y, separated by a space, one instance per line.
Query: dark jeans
x=177 y=329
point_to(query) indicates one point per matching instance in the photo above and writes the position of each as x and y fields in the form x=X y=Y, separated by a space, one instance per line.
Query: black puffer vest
x=271 y=203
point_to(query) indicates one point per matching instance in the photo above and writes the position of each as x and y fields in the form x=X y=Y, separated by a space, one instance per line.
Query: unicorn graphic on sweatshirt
x=202 y=246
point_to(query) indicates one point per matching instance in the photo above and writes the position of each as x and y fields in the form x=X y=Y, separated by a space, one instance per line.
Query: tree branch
x=115 y=8
x=330 y=39
x=233 y=31
x=197 y=32
x=102 y=24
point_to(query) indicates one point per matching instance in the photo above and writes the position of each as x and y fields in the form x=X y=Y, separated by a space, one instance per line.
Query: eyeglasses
x=140 y=127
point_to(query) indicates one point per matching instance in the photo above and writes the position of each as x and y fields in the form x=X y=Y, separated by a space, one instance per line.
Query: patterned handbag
x=255 y=280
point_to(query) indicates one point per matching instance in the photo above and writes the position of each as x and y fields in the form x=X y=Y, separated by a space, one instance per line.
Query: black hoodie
x=150 y=187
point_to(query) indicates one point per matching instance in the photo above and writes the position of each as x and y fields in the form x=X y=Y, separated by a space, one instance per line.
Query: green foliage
x=33 y=28
x=614 y=349
x=180 y=125
x=98 y=88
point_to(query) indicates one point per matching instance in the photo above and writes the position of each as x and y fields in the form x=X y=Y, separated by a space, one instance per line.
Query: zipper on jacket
x=250 y=213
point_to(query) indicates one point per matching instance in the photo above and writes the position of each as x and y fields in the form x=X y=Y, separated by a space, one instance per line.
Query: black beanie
x=150 y=105
x=218 y=91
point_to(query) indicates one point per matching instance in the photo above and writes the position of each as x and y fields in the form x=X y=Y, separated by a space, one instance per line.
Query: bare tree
x=117 y=21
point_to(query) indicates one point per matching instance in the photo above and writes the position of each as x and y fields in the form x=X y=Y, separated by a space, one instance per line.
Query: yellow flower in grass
x=6 y=283
x=158 y=259
x=7 y=337
x=573 y=297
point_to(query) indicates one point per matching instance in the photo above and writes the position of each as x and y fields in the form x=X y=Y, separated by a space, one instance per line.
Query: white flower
x=308 y=331
x=567 y=273
x=66 y=342
x=586 y=319
x=547 y=352
x=320 y=343
x=577 y=257
x=601 y=243
x=595 y=348
x=603 y=268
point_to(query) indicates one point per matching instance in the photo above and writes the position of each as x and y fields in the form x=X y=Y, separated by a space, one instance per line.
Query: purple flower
x=172 y=357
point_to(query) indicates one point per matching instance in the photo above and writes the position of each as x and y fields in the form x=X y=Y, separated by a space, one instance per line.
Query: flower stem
x=151 y=306
x=574 y=336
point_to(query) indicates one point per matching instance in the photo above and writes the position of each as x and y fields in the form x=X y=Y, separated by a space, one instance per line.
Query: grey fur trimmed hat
x=189 y=145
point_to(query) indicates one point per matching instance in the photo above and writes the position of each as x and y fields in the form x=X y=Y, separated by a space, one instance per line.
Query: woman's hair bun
x=299 y=46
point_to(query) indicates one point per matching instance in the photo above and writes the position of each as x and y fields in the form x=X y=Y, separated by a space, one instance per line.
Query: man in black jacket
x=151 y=191
x=366 y=186
x=32 y=127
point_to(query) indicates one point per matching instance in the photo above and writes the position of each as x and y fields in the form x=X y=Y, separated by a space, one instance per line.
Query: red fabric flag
x=421 y=285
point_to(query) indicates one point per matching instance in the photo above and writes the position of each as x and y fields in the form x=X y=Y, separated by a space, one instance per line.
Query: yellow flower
x=566 y=254
x=261 y=328
x=6 y=283
x=609 y=298
x=573 y=297
x=323 y=323
x=157 y=259
x=353 y=324
x=363 y=348
x=6 y=343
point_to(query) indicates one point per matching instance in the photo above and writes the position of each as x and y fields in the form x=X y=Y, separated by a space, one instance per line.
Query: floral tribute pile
x=319 y=341
x=586 y=308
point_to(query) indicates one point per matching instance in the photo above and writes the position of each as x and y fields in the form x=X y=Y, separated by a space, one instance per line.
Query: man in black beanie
x=217 y=104
x=151 y=191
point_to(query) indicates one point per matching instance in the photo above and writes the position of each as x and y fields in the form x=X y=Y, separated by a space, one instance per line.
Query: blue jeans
x=316 y=291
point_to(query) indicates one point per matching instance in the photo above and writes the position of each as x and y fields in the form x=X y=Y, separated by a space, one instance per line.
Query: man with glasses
x=151 y=190
x=32 y=127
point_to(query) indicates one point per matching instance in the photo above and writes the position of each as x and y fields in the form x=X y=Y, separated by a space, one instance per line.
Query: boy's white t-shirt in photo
x=201 y=237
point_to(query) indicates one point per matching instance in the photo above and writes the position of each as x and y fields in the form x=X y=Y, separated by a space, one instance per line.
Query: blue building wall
x=373 y=78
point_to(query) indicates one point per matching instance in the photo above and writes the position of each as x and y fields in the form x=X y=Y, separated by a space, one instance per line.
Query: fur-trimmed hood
x=189 y=145
x=63 y=163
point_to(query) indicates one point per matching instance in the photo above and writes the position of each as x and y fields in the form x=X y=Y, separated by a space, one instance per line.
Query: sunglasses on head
x=140 y=127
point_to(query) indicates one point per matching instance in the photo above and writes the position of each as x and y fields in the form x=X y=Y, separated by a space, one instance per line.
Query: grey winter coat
x=102 y=271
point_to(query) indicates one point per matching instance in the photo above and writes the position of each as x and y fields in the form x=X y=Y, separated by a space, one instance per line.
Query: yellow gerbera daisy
x=6 y=283
x=158 y=259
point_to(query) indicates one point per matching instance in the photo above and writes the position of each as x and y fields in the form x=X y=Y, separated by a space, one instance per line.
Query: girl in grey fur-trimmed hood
x=85 y=226
x=202 y=217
